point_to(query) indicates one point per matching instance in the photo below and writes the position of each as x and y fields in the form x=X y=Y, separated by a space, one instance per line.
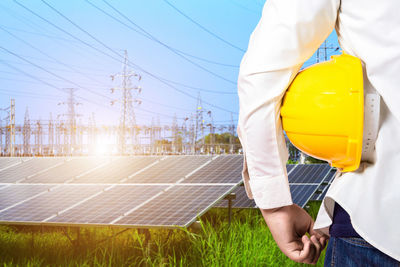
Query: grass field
x=247 y=242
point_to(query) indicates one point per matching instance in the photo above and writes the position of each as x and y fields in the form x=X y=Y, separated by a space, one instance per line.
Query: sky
x=181 y=49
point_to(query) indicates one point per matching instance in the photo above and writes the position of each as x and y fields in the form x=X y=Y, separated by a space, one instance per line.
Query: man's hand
x=288 y=226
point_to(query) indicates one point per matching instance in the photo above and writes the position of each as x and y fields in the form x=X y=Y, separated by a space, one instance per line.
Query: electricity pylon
x=127 y=119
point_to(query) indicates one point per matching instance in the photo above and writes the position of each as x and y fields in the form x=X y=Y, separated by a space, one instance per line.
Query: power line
x=134 y=65
x=52 y=68
x=52 y=73
x=174 y=82
x=200 y=89
x=110 y=56
x=32 y=82
x=44 y=82
x=27 y=94
x=151 y=37
x=202 y=27
x=47 y=55
x=82 y=98
x=53 y=86
x=243 y=7
x=40 y=34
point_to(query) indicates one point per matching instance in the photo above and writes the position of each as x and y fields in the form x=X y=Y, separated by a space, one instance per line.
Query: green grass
x=247 y=242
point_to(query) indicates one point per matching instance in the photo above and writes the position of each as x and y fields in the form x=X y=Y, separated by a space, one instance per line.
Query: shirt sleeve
x=289 y=32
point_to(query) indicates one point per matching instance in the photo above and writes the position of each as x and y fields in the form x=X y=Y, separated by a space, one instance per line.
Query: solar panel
x=223 y=169
x=320 y=193
x=27 y=168
x=323 y=188
x=116 y=170
x=45 y=205
x=330 y=176
x=7 y=161
x=14 y=194
x=67 y=171
x=309 y=173
x=109 y=205
x=241 y=200
x=290 y=167
x=179 y=206
x=3 y=186
x=301 y=194
x=170 y=170
x=308 y=179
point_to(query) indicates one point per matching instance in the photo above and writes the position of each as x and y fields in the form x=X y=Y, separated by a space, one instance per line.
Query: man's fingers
x=311 y=231
x=323 y=240
x=306 y=253
x=318 y=247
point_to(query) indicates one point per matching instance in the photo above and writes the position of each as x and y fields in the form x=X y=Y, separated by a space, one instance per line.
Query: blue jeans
x=354 y=251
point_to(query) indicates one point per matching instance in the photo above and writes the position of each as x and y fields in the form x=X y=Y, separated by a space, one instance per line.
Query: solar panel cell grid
x=241 y=200
x=309 y=173
x=170 y=170
x=15 y=193
x=68 y=170
x=289 y=167
x=302 y=193
x=330 y=176
x=26 y=168
x=116 y=170
x=6 y=161
x=48 y=204
x=178 y=206
x=109 y=205
x=223 y=169
x=320 y=193
x=300 y=196
x=3 y=186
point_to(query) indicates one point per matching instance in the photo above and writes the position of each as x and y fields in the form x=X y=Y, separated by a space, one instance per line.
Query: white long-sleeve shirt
x=289 y=32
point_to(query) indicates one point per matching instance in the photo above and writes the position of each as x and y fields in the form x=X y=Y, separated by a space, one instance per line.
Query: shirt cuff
x=271 y=192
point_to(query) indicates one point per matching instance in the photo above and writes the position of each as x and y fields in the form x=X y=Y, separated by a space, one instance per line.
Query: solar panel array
x=306 y=181
x=140 y=191
x=135 y=191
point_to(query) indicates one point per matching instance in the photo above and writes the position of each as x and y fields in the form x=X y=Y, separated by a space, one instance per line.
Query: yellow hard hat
x=323 y=111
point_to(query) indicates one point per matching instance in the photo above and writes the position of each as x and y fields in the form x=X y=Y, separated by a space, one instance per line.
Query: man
x=361 y=208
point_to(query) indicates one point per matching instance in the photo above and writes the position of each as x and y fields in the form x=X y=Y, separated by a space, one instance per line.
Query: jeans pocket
x=356 y=241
